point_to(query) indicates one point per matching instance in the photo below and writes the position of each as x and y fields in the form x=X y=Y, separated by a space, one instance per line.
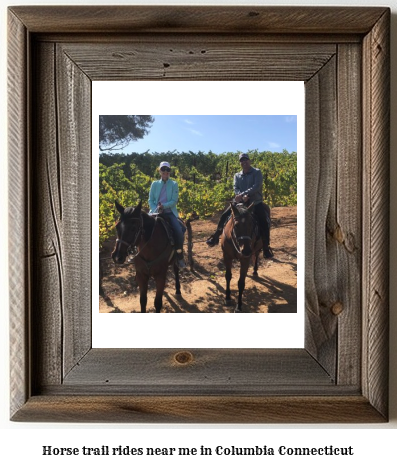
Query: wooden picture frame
x=342 y=54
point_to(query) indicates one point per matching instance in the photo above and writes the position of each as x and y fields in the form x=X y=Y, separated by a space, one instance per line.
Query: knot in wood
x=337 y=308
x=338 y=235
x=183 y=358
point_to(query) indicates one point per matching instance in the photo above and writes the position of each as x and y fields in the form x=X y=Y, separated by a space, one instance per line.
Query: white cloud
x=273 y=145
x=191 y=130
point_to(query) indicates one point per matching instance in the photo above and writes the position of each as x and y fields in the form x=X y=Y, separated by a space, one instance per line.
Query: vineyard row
x=205 y=181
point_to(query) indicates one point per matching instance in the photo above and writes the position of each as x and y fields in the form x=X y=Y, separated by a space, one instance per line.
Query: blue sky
x=219 y=134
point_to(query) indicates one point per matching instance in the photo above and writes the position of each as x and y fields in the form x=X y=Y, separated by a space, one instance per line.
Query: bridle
x=137 y=235
x=236 y=240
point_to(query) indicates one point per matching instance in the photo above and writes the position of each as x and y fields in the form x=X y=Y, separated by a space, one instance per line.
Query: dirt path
x=203 y=287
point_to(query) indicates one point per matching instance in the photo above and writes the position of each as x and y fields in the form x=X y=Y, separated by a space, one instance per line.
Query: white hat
x=165 y=164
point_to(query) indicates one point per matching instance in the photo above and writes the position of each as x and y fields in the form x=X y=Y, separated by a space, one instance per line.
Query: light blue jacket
x=172 y=195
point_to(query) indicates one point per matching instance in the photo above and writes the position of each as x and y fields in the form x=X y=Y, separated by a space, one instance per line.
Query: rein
x=235 y=240
x=138 y=234
x=134 y=244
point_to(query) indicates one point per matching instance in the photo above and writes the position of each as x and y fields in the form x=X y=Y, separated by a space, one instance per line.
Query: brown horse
x=240 y=240
x=135 y=228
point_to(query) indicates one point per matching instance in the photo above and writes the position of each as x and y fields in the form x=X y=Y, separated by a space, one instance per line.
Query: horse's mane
x=128 y=212
x=148 y=221
x=242 y=209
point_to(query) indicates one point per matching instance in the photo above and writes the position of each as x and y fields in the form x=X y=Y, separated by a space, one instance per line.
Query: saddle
x=168 y=229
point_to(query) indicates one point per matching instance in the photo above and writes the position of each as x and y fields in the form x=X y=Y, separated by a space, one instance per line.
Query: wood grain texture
x=62 y=196
x=47 y=315
x=213 y=59
x=73 y=89
x=376 y=90
x=321 y=278
x=346 y=228
x=19 y=227
x=341 y=376
x=196 y=19
x=243 y=37
x=249 y=370
x=199 y=409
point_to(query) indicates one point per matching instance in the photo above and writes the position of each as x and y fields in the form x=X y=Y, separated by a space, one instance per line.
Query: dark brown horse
x=240 y=240
x=135 y=228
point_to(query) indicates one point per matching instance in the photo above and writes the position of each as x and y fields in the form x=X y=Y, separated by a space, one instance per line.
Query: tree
x=116 y=132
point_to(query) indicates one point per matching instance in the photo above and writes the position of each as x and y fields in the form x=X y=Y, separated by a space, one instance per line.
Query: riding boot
x=214 y=239
x=267 y=251
x=179 y=256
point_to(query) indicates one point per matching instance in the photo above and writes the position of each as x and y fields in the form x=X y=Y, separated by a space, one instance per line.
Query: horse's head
x=243 y=228
x=128 y=229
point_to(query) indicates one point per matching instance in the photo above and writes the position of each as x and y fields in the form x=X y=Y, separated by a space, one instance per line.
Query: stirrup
x=268 y=253
x=181 y=263
x=212 y=241
x=180 y=259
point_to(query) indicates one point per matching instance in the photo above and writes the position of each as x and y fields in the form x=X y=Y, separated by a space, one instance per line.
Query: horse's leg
x=256 y=261
x=228 y=277
x=177 y=283
x=244 y=264
x=143 y=282
x=160 y=285
x=257 y=250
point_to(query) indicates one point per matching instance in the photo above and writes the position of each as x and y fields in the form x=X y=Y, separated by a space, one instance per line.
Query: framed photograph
x=202 y=140
x=340 y=375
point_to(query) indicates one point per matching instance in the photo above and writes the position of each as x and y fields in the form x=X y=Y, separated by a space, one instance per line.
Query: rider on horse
x=248 y=189
x=163 y=197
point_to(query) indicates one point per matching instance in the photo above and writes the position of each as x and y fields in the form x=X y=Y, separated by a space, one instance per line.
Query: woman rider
x=163 y=197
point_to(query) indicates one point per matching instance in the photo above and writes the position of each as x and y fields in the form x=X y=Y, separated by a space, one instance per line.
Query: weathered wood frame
x=342 y=54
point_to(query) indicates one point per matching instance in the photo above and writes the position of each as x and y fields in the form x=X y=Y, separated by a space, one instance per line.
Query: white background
x=222 y=330
x=374 y=445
